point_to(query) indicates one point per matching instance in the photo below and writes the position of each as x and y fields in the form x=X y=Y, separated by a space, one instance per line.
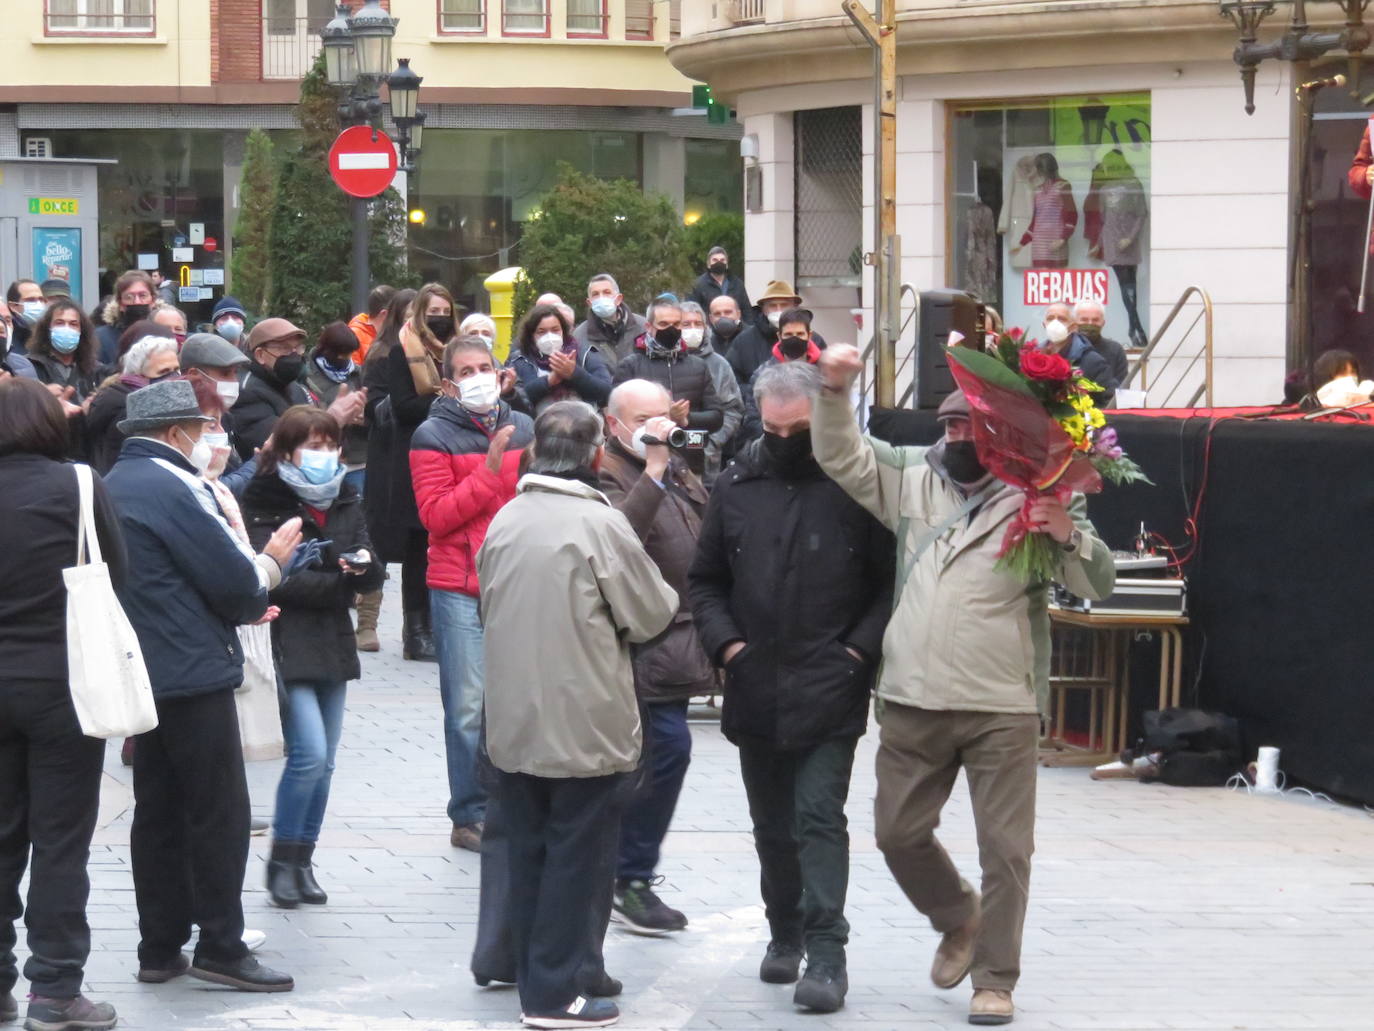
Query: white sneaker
x=254 y=939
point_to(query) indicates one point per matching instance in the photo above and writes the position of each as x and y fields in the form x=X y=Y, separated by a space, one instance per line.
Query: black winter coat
x=313 y=637
x=394 y=411
x=103 y=436
x=40 y=510
x=262 y=401
x=591 y=382
x=707 y=290
x=797 y=570
x=684 y=376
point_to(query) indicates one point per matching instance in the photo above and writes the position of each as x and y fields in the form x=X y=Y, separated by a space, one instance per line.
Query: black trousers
x=493 y=953
x=796 y=801
x=189 y=841
x=561 y=836
x=414 y=570
x=49 y=797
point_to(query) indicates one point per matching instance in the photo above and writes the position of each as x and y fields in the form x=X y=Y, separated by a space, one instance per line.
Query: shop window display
x=1051 y=203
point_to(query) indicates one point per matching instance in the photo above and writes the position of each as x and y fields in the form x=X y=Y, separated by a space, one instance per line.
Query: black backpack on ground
x=1197 y=749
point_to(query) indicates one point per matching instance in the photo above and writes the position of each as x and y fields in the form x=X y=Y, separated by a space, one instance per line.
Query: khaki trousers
x=919 y=755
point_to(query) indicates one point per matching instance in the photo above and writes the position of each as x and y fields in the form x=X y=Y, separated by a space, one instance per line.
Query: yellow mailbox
x=501 y=286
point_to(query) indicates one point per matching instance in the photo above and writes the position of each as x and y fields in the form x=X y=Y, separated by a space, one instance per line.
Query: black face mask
x=134 y=312
x=961 y=462
x=441 y=326
x=790 y=455
x=726 y=328
x=288 y=369
x=793 y=348
x=717 y=268
x=668 y=338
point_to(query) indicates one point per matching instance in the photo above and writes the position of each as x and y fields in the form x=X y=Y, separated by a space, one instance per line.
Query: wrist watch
x=1075 y=539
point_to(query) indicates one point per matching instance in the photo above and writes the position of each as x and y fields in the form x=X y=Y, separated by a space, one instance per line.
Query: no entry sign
x=362 y=162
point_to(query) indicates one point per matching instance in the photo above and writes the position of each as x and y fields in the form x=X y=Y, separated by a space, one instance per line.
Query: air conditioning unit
x=37 y=147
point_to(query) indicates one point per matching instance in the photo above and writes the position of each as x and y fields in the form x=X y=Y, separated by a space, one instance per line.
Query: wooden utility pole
x=886 y=256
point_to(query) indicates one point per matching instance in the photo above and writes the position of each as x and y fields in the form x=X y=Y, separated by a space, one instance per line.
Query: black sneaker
x=246 y=974
x=781 y=963
x=822 y=988
x=641 y=911
x=161 y=975
x=582 y=1012
x=9 y=1008
x=68 y=1014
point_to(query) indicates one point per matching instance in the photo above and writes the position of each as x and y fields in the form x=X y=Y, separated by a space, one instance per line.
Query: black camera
x=681 y=440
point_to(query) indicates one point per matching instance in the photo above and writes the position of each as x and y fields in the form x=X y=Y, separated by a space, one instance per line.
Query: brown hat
x=954 y=406
x=269 y=331
x=779 y=290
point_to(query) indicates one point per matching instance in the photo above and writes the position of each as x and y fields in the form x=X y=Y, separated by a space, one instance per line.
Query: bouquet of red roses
x=1036 y=428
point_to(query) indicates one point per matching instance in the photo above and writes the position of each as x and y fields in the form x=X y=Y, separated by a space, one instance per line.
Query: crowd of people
x=679 y=503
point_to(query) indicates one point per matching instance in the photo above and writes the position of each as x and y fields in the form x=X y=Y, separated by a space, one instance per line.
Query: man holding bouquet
x=965 y=672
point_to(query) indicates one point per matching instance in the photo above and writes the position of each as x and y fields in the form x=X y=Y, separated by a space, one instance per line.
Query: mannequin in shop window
x=1018 y=209
x=1055 y=216
x=1114 y=220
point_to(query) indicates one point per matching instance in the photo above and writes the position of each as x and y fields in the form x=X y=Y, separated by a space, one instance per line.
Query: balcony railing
x=748 y=12
x=289 y=46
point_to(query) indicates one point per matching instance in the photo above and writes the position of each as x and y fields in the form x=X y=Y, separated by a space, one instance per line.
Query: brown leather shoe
x=991 y=1006
x=467 y=836
x=954 y=956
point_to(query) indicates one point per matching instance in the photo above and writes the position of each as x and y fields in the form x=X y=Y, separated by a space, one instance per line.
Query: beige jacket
x=963 y=635
x=566 y=589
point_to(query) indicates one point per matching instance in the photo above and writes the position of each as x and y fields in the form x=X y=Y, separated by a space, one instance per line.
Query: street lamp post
x=357 y=54
x=1298 y=46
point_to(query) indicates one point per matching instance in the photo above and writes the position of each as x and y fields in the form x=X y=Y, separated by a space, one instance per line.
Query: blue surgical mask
x=604 y=307
x=230 y=329
x=35 y=309
x=65 y=339
x=318 y=466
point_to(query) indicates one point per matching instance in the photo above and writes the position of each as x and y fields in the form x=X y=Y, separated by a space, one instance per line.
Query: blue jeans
x=462 y=674
x=645 y=823
x=314 y=720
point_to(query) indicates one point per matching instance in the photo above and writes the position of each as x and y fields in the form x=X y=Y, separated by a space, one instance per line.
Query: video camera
x=681 y=440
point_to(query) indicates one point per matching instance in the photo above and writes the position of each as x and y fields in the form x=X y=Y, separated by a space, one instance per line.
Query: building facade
x=1045 y=149
x=169 y=89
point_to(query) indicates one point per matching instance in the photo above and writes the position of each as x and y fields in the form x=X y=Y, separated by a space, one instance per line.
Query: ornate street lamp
x=1296 y=44
x=340 y=64
x=357 y=54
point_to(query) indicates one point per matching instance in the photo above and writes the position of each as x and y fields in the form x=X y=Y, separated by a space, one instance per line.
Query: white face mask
x=228 y=391
x=693 y=336
x=479 y=393
x=1057 y=331
x=637 y=444
x=775 y=317
x=548 y=343
x=201 y=453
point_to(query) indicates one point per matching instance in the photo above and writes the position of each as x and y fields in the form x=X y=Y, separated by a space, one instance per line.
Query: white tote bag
x=256 y=701
x=109 y=683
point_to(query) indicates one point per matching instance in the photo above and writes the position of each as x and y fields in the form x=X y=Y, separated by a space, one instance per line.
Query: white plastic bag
x=109 y=682
x=256 y=701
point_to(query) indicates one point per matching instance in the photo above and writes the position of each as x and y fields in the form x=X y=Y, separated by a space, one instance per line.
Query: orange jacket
x=366 y=333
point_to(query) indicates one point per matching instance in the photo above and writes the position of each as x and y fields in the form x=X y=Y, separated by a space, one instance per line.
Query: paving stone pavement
x=1151 y=907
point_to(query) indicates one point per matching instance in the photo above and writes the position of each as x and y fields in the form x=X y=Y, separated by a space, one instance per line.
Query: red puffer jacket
x=456 y=493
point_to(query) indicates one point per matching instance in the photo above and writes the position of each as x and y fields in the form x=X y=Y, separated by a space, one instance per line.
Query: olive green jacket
x=964 y=635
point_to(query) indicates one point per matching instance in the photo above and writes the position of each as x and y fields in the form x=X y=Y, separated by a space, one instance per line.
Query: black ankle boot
x=309 y=888
x=281 y=875
x=417 y=640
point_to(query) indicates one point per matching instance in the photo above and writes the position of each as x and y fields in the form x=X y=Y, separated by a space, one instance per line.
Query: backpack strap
x=904 y=565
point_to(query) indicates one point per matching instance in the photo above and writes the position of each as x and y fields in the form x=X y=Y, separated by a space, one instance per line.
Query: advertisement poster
x=57 y=255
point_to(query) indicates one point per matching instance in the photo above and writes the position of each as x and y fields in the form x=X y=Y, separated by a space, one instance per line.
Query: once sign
x=362 y=161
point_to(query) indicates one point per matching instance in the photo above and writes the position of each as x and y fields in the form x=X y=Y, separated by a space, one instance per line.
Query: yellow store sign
x=54 y=206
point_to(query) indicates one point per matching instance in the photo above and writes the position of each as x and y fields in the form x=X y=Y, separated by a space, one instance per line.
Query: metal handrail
x=866 y=383
x=1141 y=363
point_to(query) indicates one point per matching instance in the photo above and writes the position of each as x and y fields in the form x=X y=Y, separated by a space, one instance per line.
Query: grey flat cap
x=206 y=350
x=162 y=404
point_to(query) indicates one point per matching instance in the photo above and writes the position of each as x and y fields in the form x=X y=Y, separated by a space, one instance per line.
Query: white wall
x=1219 y=183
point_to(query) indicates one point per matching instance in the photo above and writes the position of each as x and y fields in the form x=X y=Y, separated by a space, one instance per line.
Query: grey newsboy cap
x=954 y=406
x=161 y=404
x=209 y=351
